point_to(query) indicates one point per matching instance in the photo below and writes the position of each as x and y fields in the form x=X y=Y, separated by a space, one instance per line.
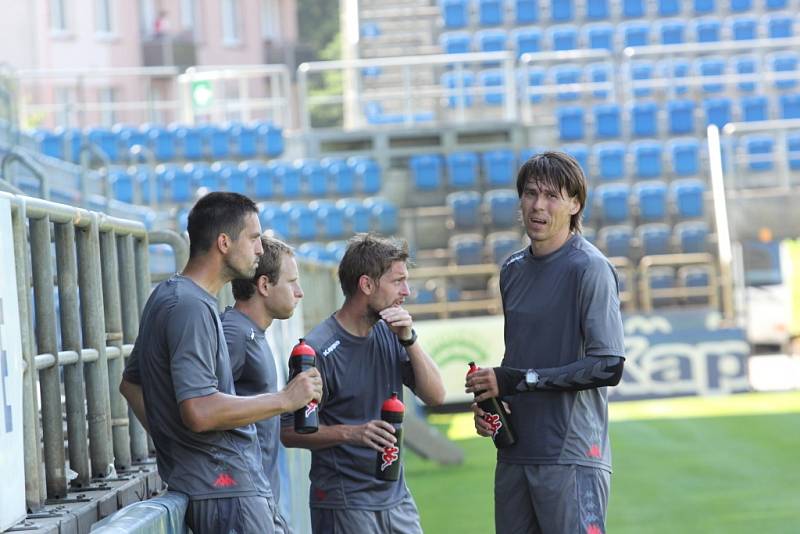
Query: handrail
x=26 y=161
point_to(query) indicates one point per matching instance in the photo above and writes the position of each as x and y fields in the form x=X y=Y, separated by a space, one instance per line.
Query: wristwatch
x=531 y=379
x=410 y=341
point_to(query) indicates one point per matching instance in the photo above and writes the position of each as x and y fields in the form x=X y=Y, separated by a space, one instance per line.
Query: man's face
x=392 y=288
x=244 y=251
x=286 y=294
x=546 y=215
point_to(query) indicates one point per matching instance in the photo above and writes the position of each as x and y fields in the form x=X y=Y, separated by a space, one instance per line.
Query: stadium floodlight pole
x=721 y=220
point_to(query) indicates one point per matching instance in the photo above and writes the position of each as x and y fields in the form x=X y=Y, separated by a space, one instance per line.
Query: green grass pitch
x=689 y=465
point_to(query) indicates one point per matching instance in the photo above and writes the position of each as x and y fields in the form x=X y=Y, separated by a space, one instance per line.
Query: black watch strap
x=410 y=341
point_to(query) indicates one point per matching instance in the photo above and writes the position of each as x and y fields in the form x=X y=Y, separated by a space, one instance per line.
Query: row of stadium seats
x=606 y=36
x=496 y=209
x=648 y=239
x=172 y=143
x=486 y=13
x=329 y=177
x=464 y=169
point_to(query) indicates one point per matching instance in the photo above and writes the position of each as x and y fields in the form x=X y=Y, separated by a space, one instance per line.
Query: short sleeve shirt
x=180 y=354
x=560 y=308
x=359 y=374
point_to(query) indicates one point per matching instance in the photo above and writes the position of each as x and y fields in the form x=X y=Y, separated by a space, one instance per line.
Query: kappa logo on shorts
x=311 y=407
x=389 y=456
x=331 y=347
x=594 y=452
x=495 y=424
x=224 y=480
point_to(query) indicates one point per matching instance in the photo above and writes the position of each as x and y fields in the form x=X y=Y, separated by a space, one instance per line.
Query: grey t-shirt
x=359 y=374
x=181 y=354
x=254 y=372
x=558 y=309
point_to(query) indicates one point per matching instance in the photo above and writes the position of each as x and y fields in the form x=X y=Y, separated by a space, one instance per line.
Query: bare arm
x=133 y=394
x=374 y=434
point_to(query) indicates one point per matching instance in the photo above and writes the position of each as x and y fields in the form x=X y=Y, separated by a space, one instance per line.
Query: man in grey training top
x=178 y=377
x=272 y=293
x=563 y=346
x=365 y=351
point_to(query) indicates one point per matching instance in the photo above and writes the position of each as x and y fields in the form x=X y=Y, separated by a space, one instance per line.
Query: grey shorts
x=232 y=515
x=281 y=526
x=401 y=519
x=550 y=499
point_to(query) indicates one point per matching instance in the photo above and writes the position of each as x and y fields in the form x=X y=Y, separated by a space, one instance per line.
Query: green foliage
x=318 y=24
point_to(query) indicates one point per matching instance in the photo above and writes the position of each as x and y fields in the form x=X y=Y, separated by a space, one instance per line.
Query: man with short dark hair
x=178 y=377
x=563 y=346
x=365 y=351
x=272 y=293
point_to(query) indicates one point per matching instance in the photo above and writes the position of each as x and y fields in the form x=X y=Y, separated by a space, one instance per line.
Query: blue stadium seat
x=740 y=6
x=163 y=143
x=357 y=215
x=704 y=6
x=633 y=9
x=130 y=136
x=270 y=139
x=597 y=10
x=685 y=156
x=502 y=206
x=718 y=111
x=776 y=4
x=501 y=245
x=754 y=108
x=743 y=28
x=73 y=137
x=245 y=140
x=314 y=251
x=106 y=141
x=695 y=276
x=635 y=33
x=661 y=278
x=790 y=106
x=654 y=238
x=644 y=119
x=647 y=158
x=287 y=178
x=641 y=71
x=570 y=123
x=331 y=218
x=455 y=42
x=610 y=159
x=384 y=213
x=759 y=148
x=563 y=37
x=687 y=197
x=465 y=209
x=588 y=207
x=302 y=221
x=122 y=185
x=680 y=115
x=691 y=236
x=676 y=69
x=219 y=141
x=607 y=121
x=707 y=30
x=274 y=218
x=527 y=40
x=455 y=13
x=466 y=249
x=491 y=40
x=426 y=171
x=711 y=66
x=527 y=153
x=745 y=65
x=535 y=79
x=669 y=8
x=651 y=197
x=581 y=154
x=562 y=10
x=499 y=168
x=793 y=150
x=341 y=176
x=599 y=73
x=784 y=62
x=672 y=31
x=492 y=82
x=189 y=142
x=462 y=170
x=368 y=174
x=779 y=25
x=599 y=36
x=567 y=75
x=370 y=30
x=142 y=176
x=526 y=11
x=238 y=181
x=613 y=202
x=261 y=180
x=50 y=143
x=314 y=177
x=490 y=12
x=615 y=240
x=203 y=176
x=459 y=86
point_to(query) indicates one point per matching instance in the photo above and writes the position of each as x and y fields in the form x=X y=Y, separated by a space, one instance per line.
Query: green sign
x=202 y=94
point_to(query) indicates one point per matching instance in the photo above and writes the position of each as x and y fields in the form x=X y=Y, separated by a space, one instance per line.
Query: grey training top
x=359 y=374
x=181 y=354
x=253 y=369
x=558 y=309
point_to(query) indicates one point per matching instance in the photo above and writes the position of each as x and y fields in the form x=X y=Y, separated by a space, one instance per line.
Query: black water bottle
x=303 y=358
x=388 y=465
x=496 y=416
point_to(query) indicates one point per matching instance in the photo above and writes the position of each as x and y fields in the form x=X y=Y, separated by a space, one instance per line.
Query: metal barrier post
x=74 y=389
x=46 y=342
x=141 y=443
x=113 y=323
x=94 y=336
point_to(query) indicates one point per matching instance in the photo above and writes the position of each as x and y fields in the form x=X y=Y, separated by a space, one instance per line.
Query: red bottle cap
x=472 y=368
x=393 y=404
x=301 y=349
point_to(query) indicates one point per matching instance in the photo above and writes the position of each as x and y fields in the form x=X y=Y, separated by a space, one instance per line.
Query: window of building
x=58 y=15
x=188 y=14
x=231 y=21
x=104 y=16
x=271 y=20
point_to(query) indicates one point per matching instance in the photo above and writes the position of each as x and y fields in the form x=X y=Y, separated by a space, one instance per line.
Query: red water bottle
x=497 y=417
x=303 y=358
x=388 y=465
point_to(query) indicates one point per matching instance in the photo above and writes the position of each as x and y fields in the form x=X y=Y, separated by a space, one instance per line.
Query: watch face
x=531 y=377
